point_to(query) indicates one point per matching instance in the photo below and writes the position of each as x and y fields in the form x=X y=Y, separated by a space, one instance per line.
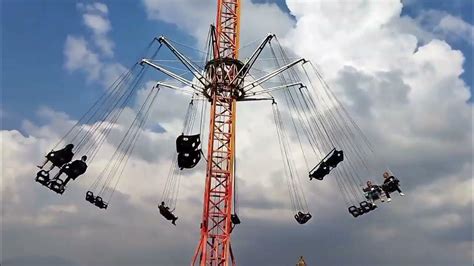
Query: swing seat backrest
x=42 y=177
x=302 y=218
x=99 y=202
x=354 y=211
x=188 y=143
x=189 y=159
x=335 y=158
x=57 y=185
x=320 y=172
x=366 y=206
x=90 y=197
x=235 y=219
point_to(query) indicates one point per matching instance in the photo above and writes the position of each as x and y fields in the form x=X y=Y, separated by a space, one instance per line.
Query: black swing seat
x=189 y=159
x=335 y=158
x=165 y=212
x=60 y=157
x=90 y=197
x=367 y=206
x=42 y=177
x=74 y=169
x=330 y=161
x=392 y=185
x=188 y=143
x=354 y=211
x=235 y=219
x=303 y=218
x=321 y=171
x=99 y=202
x=57 y=185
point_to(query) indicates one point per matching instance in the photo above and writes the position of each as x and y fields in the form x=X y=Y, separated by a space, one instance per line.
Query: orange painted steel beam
x=216 y=225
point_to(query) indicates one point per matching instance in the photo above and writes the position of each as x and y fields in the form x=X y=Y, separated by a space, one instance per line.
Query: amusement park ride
x=317 y=119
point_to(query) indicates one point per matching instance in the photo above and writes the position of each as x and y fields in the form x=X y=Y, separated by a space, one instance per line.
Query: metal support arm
x=186 y=62
x=172 y=75
x=248 y=65
x=256 y=99
x=176 y=88
x=272 y=74
x=286 y=86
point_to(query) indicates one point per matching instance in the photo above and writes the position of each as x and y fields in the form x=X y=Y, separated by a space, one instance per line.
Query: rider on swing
x=390 y=184
x=167 y=213
x=373 y=192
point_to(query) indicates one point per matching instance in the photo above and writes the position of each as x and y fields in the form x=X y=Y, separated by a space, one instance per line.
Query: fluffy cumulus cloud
x=406 y=92
x=447 y=26
x=95 y=18
x=80 y=57
x=96 y=7
x=199 y=15
x=399 y=79
x=93 y=54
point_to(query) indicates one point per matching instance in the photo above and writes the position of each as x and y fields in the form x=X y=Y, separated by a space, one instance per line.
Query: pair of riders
x=61 y=159
x=390 y=184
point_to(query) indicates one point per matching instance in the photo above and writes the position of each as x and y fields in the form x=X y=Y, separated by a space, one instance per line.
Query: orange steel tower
x=222 y=83
x=222 y=71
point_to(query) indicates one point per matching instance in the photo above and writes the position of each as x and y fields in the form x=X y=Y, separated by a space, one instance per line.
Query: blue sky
x=459 y=8
x=33 y=41
x=33 y=60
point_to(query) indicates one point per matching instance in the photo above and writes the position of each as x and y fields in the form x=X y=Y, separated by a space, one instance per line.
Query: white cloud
x=95 y=18
x=111 y=72
x=96 y=7
x=446 y=26
x=100 y=26
x=105 y=45
x=97 y=23
x=93 y=54
x=200 y=14
x=78 y=56
x=458 y=27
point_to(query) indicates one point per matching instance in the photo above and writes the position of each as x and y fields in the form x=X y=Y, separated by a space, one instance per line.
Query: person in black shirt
x=166 y=212
x=390 y=184
x=59 y=158
x=73 y=170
